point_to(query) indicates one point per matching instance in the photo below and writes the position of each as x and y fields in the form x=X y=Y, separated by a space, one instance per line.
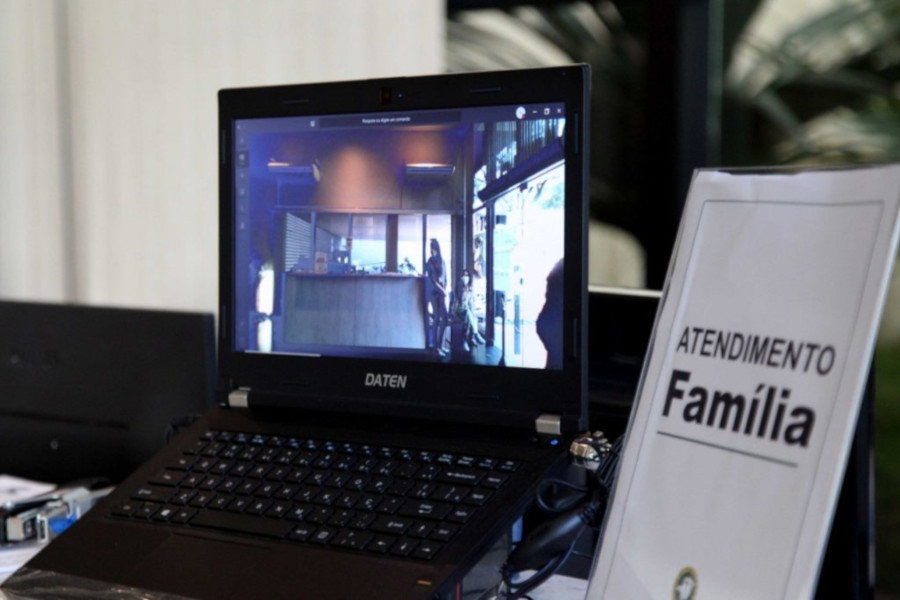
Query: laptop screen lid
x=411 y=247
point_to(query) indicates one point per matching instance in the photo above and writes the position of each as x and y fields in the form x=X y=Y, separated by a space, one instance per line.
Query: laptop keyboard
x=368 y=498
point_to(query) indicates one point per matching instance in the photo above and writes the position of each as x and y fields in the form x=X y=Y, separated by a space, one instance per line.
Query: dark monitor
x=90 y=392
x=620 y=324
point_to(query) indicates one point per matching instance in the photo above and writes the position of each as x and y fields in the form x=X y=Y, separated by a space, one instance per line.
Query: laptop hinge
x=548 y=424
x=239 y=398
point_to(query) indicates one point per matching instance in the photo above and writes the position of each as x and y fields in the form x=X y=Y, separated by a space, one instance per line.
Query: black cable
x=564 y=503
x=577 y=507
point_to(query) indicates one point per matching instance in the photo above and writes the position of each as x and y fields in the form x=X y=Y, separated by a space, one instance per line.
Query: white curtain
x=108 y=145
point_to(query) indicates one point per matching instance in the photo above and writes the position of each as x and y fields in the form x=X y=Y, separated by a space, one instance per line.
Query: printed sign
x=748 y=401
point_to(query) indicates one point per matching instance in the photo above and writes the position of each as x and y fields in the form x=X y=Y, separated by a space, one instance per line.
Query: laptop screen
x=415 y=235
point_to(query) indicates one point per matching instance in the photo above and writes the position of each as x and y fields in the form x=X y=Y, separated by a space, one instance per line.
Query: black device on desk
x=355 y=457
x=90 y=391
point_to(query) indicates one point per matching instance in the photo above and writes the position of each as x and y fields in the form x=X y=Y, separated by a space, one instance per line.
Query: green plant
x=823 y=78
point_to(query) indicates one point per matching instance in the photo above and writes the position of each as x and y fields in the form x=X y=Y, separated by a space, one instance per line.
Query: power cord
x=549 y=545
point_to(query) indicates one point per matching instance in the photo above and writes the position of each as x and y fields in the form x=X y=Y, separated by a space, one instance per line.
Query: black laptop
x=401 y=345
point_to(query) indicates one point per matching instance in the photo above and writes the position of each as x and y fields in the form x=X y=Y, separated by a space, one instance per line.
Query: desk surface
x=561 y=587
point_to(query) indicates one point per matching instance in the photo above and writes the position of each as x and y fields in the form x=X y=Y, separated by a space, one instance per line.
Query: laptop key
x=301 y=533
x=146 y=510
x=124 y=510
x=357 y=483
x=404 y=547
x=231 y=451
x=229 y=485
x=297 y=475
x=421 y=530
x=486 y=464
x=182 y=516
x=327 y=497
x=355 y=540
x=258 y=507
x=286 y=492
x=183 y=463
x=150 y=493
x=422 y=490
x=338 y=480
x=298 y=513
x=306 y=494
x=164 y=514
x=369 y=502
x=247 y=488
x=210 y=483
x=241 y=524
x=278 y=509
x=425 y=510
x=278 y=473
x=347 y=500
x=460 y=514
x=400 y=487
x=196 y=447
x=286 y=457
x=213 y=449
x=406 y=470
x=238 y=504
x=202 y=499
x=428 y=472
x=461 y=475
x=323 y=535
x=395 y=525
x=204 y=464
x=389 y=506
x=259 y=471
x=509 y=466
x=366 y=465
x=426 y=550
x=466 y=461
x=267 y=489
x=320 y=515
x=340 y=518
x=381 y=544
x=363 y=521
x=445 y=458
x=494 y=480
x=443 y=532
x=344 y=463
x=378 y=485
x=192 y=480
x=222 y=467
x=477 y=497
x=221 y=502
x=450 y=493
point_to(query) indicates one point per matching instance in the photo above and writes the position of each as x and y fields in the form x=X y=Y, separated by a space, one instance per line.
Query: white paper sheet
x=749 y=396
x=16 y=488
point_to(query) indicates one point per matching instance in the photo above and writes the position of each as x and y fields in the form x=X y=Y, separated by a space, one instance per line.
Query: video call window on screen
x=426 y=236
